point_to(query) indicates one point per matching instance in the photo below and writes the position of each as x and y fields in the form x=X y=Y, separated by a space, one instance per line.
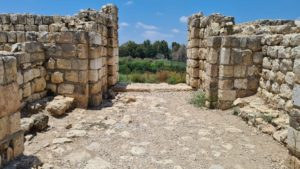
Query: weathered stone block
x=95 y=38
x=64 y=64
x=258 y=57
x=9 y=100
x=71 y=76
x=240 y=83
x=43 y=28
x=3 y=37
x=65 y=37
x=80 y=64
x=14 y=122
x=69 y=50
x=38 y=85
x=32 y=47
x=83 y=76
x=226 y=84
x=82 y=50
x=213 y=56
x=96 y=63
x=285 y=91
x=295 y=40
x=93 y=75
x=226 y=71
x=95 y=87
x=26 y=90
x=10 y=67
x=65 y=89
x=225 y=56
x=227 y=95
x=94 y=52
x=57 y=77
x=296 y=70
x=240 y=71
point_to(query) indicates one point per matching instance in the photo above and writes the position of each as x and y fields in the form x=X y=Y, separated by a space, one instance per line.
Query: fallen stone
x=59 y=105
x=26 y=124
x=40 y=122
x=281 y=136
x=61 y=140
x=268 y=129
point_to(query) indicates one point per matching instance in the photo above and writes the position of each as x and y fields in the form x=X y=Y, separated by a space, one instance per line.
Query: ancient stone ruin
x=231 y=61
x=74 y=56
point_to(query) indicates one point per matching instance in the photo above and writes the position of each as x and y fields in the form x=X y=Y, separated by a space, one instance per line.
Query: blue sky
x=160 y=19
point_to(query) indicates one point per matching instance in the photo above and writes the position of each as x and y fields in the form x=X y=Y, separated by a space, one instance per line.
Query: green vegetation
x=156 y=50
x=151 y=71
x=198 y=99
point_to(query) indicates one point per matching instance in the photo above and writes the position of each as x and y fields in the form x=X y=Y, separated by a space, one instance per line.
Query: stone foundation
x=73 y=56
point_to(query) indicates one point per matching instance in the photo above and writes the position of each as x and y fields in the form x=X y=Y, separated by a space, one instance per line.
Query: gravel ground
x=157 y=130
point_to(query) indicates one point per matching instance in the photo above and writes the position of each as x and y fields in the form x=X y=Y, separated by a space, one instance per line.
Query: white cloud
x=183 y=19
x=123 y=25
x=145 y=26
x=155 y=35
x=175 y=30
x=129 y=3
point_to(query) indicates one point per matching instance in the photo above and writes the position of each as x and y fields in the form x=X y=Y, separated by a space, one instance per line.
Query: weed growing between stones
x=198 y=99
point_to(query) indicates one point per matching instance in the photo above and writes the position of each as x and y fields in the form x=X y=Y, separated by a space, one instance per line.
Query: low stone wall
x=11 y=136
x=40 y=55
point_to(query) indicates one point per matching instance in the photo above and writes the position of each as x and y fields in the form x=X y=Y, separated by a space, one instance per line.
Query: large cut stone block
x=227 y=95
x=9 y=99
x=296 y=95
x=65 y=89
x=293 y=141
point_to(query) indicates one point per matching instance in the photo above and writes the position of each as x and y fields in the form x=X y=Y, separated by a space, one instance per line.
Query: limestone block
x=38 y=85
x=296 y=95
x=214 y=42
x=272 y=51
x=32 y=47
x=93 y=75
x=284 y=53
x=225 y=56
x=272 y=40
x=295 y=52
x=19 y=27
x=296 y=70
x=227 y=95
x=4 y=125
x=285 y=91
x=95 y=100
x=59 y=105
x=213 y=56
x=14 y=122
x=194 y=72
x=194 y=33
x=275 y=88
x=194 y=43
x=258 y=57
x=35 y=57
x=26 y=90
x=64 y=64
x=254 y=43
x=43 y=28
x=290 y=78
x=65 y=37
x=96 y=63
x=94 y=52
x=253 y=84
x=11 y=37
x=286 y=65
x=57 y=77
x=95 y=38
x=95 y=87
x=2 y=73
x=71 y=76
x=10 y=67
x=293 y=141
x=65 y=89
x=226 y=71
x=240 y=83
x=20 y=36
x=31 y=36
x=226 y=84
x=51 y=64
x=81 y=37
x=211 y=70
x=30 y=28
x=83 y=76
x=279 y=77
x=69 y=50
x=82 y=50
x=54 y=50
x=18 y=144
x=9 y=100
x=240 y=71
x=47 y=20
x=80 y=64
x=51 y=87
x=3 y=37
x=295 y=40
x=253 y=71
x=192 y=63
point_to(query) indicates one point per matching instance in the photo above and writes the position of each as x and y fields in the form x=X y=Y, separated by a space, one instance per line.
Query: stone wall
x=229 y=61
x=74 y=56
x=11 y=136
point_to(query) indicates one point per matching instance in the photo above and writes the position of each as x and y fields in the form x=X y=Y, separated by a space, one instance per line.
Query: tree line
x=156 y=50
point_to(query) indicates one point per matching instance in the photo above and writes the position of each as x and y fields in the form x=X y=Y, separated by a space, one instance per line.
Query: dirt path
x=157 y=130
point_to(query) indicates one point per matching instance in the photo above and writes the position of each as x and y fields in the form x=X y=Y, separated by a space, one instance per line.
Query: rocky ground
x=148 y=130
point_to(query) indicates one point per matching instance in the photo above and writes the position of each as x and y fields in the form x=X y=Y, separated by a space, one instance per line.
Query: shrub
x=198 y=99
